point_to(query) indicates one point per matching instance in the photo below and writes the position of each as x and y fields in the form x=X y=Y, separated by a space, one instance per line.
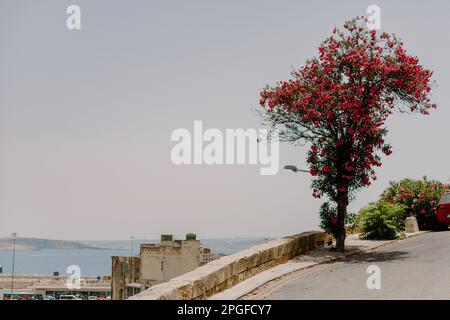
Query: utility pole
x=14 y=235
x=131 y=246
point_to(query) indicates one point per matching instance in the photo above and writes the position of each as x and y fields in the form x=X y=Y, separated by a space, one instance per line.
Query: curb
x=223 y=295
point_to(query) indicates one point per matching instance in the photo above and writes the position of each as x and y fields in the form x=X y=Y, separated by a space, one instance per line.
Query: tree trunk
x=342 y=203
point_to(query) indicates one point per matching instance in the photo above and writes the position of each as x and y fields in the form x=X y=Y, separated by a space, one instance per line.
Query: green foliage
x=381 y=220
x=328 y=214
x=419 y=196
x=328 y=218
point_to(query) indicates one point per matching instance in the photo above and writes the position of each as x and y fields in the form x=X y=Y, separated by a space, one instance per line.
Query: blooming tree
x=339 y=103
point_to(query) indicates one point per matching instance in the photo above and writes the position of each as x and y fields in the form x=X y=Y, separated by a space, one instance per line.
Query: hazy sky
x=86 y=115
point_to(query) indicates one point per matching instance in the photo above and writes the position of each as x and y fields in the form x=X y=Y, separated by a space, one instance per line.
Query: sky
x=86 y=115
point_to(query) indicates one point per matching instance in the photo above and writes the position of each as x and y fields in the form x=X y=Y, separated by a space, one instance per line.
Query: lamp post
x=14 y=235
x=131 y=246
x=295 y=169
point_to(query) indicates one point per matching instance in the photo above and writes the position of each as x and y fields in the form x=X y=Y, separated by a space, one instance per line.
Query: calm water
x=45 y=262
x=98 y=262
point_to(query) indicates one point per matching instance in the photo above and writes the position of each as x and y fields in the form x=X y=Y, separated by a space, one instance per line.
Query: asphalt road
x=415 y=268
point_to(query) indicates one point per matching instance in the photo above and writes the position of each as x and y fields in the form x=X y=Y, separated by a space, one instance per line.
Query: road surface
x=415 y=268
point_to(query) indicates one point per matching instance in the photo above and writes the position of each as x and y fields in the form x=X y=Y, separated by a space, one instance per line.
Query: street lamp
x=14 y=235
x=294 y=168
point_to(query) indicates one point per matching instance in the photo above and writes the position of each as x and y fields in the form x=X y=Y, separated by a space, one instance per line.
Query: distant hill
x=224 y=245
x=23 y=244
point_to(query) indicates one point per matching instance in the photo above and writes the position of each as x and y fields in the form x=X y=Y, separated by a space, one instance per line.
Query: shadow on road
x=376 y=256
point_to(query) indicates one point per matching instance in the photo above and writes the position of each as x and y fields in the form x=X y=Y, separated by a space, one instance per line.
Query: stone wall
x=125 y=270
x=160 y=263
x=227 y=271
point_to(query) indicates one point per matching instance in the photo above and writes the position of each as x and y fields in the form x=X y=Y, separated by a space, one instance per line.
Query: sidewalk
x=312 y=258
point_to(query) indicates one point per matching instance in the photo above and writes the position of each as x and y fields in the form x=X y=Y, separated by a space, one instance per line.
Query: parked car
x=443 y=210
x=49 y=298
x=68 y=297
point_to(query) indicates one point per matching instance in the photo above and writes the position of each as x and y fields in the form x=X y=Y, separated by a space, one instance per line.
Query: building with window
x=157 y=262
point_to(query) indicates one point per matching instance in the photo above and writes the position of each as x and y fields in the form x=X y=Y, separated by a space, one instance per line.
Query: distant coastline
x=19 y=247
x=34 y=260
x=35 y=244
x=223 y=245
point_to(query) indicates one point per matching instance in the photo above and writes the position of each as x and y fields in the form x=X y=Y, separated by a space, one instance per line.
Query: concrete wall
x=227 y=271
x=160 y=263
x=156 y=263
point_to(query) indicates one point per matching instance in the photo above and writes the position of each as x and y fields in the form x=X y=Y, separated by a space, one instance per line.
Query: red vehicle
x=443 y=210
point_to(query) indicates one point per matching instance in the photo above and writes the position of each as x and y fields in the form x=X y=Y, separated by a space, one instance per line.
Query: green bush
x=381 y=220
x=328 y=217
x=419 y=196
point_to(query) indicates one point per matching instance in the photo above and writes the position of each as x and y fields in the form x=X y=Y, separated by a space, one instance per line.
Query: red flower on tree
x=339 y=103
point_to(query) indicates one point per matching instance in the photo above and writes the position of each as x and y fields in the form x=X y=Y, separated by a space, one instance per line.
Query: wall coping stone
x=227 y=271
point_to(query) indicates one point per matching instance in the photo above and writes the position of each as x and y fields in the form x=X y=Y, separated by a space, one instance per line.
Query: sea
x=93 y=263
